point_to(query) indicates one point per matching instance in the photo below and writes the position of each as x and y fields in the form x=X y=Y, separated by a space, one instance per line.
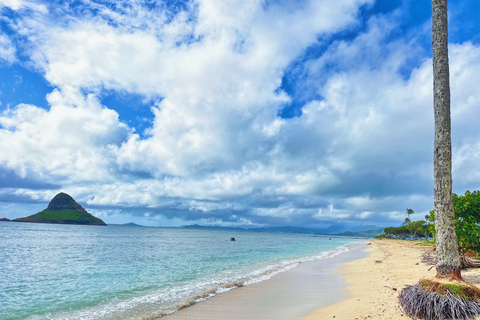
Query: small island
x=63 y=209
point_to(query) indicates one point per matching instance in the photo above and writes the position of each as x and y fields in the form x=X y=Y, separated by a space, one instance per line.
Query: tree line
x=467 y=224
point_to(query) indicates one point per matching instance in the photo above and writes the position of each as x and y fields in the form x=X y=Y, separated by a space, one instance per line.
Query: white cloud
x=216 y=139
x=70 y=142
x=7 y=50
x=23 y=4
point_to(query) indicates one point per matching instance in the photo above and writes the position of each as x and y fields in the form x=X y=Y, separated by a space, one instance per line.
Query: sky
x=245 y=113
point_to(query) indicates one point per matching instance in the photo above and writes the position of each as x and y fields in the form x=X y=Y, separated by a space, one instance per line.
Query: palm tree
x=409 y=212
x=447 y=244
x=448 y=297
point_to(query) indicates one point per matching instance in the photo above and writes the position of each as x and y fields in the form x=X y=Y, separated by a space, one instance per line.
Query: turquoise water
x=93 y=272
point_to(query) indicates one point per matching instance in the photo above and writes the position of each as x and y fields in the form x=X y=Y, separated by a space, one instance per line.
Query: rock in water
x=63 y=209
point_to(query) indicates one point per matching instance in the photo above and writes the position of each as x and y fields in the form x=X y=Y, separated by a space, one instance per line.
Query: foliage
x=409 y=212
x=63 y=217
x=413 y=230
x=467 y=220
x=467 y=205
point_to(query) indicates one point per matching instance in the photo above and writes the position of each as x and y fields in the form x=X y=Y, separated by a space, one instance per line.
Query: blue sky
x=241 y=113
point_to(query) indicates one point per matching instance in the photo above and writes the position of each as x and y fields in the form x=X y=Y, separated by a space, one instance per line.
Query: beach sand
x=288 y=295
x=375 y=282
x=361 y=284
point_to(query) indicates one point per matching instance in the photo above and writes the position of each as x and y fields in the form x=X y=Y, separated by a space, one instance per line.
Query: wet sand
x=287 y=296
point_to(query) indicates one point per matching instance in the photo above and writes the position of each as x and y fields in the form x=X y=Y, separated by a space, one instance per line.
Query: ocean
x=52 y=271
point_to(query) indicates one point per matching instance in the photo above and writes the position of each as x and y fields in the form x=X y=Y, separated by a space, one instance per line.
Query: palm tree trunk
x=447 y=244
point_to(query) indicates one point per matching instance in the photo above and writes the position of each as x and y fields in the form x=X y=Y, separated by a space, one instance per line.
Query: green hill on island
x=63 y=209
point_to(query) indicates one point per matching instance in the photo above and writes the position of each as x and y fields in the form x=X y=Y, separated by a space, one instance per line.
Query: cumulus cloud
x=217 y=150
x=70 y=142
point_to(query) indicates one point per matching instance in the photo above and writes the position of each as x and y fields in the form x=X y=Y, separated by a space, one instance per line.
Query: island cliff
x=65 y=210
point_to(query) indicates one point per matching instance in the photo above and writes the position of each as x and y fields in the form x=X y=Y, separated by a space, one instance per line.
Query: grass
x=460 y=290
x=429 y=243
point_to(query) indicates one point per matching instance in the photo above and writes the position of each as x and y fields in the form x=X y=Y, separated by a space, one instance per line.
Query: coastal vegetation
x=62 y=217
x=467 y=221
x=467 y=225
x=412 y=230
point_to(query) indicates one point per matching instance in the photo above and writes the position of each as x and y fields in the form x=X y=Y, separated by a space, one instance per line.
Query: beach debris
x=393 y=288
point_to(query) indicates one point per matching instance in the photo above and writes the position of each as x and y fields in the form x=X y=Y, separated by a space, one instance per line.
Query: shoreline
x=363 y=283
x=375 y=281
x=289 y=295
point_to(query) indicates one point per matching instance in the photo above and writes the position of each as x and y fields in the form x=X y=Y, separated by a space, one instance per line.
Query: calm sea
x=116 y=272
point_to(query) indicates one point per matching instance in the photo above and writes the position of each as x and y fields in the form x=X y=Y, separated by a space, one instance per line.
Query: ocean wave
x=176 y=297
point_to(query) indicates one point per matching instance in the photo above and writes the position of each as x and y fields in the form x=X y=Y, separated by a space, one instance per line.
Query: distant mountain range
x=332 y=230
x=63 y=209
x=130 y=224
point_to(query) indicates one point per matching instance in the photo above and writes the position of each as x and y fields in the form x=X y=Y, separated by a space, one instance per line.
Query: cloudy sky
x=239 y=113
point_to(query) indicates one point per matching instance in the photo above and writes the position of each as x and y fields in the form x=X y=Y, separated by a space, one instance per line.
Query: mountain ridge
x=369 y=233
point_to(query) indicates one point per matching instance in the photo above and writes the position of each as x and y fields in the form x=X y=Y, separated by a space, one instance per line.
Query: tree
x=397 y=233
x=417 y=228
x=447 y=298
x=468 y=205
x=409 y=212
x=467 y=222
x=447 y=244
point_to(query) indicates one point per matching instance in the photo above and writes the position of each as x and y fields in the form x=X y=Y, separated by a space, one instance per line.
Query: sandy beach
x=361 y=284
x=286 y=296
x=374 y=282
